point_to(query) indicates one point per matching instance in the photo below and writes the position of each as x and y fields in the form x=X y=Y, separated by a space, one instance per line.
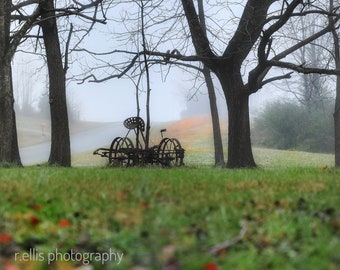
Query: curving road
x=80 y=142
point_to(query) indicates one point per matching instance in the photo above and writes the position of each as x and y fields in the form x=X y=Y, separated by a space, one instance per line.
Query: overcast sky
x=114 y=100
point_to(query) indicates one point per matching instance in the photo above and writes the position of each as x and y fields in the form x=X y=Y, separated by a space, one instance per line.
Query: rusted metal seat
x=134 y=122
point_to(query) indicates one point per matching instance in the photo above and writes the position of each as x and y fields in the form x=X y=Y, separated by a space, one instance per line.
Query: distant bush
x=284 y=125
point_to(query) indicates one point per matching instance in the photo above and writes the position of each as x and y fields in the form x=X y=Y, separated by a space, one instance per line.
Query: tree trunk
x=9 y=150
x=60 y=142
x=218 y=144
x=337 y=120
x=147 y=73
x=336 y=115
x=239 y=144
x=240 y=153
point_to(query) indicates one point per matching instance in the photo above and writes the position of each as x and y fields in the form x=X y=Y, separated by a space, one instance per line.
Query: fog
x=114 y=100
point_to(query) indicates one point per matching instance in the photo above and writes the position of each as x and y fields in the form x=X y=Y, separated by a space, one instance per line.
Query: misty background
x=174 y=95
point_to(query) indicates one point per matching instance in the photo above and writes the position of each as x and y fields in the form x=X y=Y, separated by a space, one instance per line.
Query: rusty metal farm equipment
x=123 y=152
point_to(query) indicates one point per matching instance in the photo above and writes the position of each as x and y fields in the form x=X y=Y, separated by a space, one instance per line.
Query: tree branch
x=303 y=69
x=83 y=6
x=23 y=4
x=248 y=30
x=17 y=37
x=261 y=70
x=165 y=59
x=67 y=48
x=257 y=75
x=277 y=78
x=199 y=37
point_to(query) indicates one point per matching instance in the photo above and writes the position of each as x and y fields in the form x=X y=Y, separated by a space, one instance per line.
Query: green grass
x=204 y=156
x=156 y=216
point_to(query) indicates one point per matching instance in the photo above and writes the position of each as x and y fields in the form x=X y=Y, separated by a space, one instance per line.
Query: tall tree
x=218 y=145
x=9 y=150
x=154 y=27
x=255 y=31
x=249 y=59
x=45 y=14
x=60 y=142
x=336 y=114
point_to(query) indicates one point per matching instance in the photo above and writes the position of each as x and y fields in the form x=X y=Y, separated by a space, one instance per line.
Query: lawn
x=283 y=215
x=153 y=218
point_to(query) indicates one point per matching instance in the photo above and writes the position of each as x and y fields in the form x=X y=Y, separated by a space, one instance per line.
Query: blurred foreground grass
x=289 y=217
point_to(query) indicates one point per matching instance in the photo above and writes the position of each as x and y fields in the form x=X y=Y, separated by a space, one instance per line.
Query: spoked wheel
x=113 y=148
x=170 y=152
x=121 y=152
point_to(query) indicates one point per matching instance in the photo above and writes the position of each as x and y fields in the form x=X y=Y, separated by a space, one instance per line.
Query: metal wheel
x=170 y=152
x=121 y=152
x=113 y=148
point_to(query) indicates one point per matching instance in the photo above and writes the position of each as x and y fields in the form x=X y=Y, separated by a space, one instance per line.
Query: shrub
x=287 y=125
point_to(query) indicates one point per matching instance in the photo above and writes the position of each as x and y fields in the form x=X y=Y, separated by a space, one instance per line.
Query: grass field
x=283 y=215
x=289 y=218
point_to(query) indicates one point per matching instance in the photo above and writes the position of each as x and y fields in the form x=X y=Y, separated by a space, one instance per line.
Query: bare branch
x=199 y=37
x=302 y=68
x=68 y=12
x=17 y=37
x=277 y=78
x=67 y=48
x=92 y=4
x=165 y=58
x=23 y=4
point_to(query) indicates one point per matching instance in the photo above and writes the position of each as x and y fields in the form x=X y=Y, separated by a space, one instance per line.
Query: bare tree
x=9 y=150
x=336 y=56
x=256 y=31
x=60 y=143
x=246 y=58
x=156 y=28
x=218 y=145
x=311 y=90
x=16 y=21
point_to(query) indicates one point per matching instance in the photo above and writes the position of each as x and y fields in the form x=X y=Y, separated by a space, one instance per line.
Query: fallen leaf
x=64 y=223
x=210 y=266
x=5 y=238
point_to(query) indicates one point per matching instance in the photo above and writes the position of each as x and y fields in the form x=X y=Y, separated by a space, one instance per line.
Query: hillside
x=194 y=133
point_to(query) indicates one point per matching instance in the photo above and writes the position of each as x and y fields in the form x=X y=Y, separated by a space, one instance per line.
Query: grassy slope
x=195 y=135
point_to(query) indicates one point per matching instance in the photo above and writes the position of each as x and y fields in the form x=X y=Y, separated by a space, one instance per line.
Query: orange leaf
x=5 y=238
x=64 y=223
x=210 y=266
